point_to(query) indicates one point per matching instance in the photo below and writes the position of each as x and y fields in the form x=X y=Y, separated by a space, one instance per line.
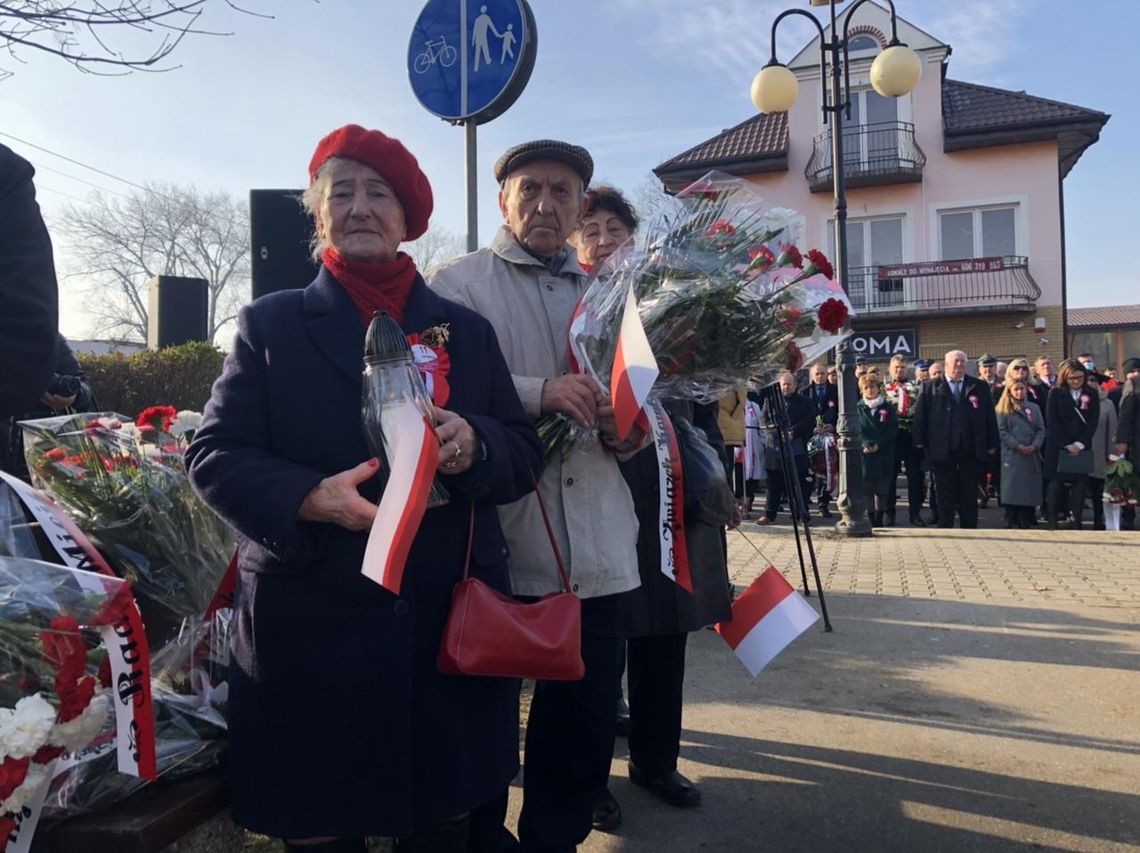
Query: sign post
x=468 y=62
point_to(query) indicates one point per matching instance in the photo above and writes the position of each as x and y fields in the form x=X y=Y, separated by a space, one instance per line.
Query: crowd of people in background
x=1034 y=439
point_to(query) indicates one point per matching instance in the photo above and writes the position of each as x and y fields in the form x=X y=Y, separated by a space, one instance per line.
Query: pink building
x=955 y=198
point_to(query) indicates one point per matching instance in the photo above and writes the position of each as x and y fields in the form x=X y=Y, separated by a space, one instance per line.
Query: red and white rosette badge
x=125 y=638
x=413 y=454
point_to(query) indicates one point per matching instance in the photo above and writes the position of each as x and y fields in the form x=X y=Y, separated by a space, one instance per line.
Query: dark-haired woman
x=659 y=614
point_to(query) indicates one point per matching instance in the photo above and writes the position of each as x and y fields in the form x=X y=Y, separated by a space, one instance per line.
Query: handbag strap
x=549 y=532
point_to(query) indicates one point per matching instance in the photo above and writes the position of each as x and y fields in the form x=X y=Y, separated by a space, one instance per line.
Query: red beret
x=391 y=160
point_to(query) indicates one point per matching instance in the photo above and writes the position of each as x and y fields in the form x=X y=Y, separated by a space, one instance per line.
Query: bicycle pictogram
x=435 y=50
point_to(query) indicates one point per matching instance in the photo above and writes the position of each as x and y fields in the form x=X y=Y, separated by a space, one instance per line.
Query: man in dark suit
x=28 y=297
x=987 y=372
x=955 y=423
x=824 y=399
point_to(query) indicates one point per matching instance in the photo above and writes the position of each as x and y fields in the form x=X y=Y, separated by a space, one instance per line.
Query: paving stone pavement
x=979 y=693
x=1095 y=568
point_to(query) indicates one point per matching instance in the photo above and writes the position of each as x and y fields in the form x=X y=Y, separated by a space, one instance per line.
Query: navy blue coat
x=340 y=722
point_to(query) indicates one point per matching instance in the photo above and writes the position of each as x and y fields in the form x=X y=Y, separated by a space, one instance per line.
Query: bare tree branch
x=77 y=30
x=434 y=247
x=120 y=243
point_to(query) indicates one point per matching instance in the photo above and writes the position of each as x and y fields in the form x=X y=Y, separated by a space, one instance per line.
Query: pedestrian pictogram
x=470 y=59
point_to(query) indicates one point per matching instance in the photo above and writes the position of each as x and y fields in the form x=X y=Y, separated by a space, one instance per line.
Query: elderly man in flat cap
x=528 y=283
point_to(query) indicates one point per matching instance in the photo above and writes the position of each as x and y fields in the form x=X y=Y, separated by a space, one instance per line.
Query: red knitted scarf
x=374 y=287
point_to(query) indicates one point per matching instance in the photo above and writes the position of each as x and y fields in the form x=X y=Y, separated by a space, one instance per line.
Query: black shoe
x=916 y=521
x=889 y=519
x=824 y=512
x=607 y=813
x=622 y=718
x=672 y=788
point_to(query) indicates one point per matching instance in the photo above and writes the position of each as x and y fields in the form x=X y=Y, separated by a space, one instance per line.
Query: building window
x=863 y=43
x=985 y=232
x=872 y=243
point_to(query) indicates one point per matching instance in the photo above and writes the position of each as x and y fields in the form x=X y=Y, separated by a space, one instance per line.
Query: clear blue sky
x=636 y=81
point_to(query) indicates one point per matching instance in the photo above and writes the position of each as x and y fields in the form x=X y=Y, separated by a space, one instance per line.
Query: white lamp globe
x=895 y=71
x=774 y=89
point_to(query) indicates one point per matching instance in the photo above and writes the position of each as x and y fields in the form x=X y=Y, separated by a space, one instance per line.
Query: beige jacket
x=731 y=417
x=589 y=503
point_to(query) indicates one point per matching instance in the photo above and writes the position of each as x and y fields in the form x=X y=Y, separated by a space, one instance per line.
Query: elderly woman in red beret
x=341 y=725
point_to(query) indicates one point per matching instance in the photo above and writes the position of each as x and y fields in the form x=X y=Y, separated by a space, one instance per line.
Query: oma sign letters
x=883 y=344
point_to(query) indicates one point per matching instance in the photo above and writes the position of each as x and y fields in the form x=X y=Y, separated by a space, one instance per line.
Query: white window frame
x=1020 y=205
x=906 y=214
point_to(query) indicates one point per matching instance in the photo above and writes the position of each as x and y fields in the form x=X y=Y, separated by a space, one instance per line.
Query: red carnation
x=74 y=701
x=790 y=256
x=159 y=417
x=13 y=771
x=721 y=226
x=794 y=355
x=820 y=261
x=56 y=454
x=63 y=644
x=832 y=315
x=761 y=253
x=792 y=317
x=47 y=754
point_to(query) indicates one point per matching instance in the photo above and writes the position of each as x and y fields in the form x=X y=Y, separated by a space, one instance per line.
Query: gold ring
x=458 y=452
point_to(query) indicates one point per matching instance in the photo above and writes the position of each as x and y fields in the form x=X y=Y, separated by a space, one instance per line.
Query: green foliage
x=177 y=376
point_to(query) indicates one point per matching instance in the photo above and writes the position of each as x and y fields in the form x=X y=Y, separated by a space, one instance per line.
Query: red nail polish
x=373 y=463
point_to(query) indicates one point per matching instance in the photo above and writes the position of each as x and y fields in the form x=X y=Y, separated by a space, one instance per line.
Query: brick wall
x=994 y=334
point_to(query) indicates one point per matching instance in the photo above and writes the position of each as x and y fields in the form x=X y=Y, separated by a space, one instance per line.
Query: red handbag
x=488 y=633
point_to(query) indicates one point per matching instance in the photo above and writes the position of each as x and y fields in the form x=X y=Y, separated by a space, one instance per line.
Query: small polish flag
x=765 y=620
x=634 y=371
x=413 y=451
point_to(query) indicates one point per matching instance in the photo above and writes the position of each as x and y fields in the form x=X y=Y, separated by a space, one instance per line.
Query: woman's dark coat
x=340 y=722
x=880 y=427
x=1128 y=425
x=659 y=606
x=1067 y=421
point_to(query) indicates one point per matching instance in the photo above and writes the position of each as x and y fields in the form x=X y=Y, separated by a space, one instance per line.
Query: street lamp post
x=894 y=73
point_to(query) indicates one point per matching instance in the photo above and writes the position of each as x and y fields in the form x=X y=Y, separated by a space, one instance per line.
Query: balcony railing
x=966 y=286
x=873 y=154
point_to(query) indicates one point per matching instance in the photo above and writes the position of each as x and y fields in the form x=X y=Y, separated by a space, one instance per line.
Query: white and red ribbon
x=413 y=453
x=671 y=511
x=634 y=370
x=126 y=642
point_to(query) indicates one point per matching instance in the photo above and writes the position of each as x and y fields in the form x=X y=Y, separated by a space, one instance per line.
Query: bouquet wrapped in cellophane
x=124 y=483
x=724 y=296
x=54 y=674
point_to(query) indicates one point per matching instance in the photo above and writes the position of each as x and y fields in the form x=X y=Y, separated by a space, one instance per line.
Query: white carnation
x=24 y=730
x=186 y=421
x=76 y=734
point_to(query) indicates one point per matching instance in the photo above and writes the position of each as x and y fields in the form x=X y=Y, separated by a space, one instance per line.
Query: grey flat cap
x=574 y=156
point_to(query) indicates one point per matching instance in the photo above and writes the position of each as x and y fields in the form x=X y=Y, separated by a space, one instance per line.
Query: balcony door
x=872 y=243
x=871 y=136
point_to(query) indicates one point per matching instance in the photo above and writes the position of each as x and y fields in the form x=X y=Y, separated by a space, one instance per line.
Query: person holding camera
x=68 y=390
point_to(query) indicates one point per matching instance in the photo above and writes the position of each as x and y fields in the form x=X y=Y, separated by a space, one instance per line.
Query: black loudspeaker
x=280 y=233
x=177 y=311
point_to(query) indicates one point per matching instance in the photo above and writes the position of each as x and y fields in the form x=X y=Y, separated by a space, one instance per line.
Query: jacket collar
x=507 y=247
x=333 y=322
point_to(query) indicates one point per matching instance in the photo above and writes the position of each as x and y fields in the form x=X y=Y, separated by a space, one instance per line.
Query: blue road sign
x=470 y=59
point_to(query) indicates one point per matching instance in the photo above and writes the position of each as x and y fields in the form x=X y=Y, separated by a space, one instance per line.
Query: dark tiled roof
x=973 y=116
x=970 y=108
x=760 y=137
x=976 y=116
x=1106 y=315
